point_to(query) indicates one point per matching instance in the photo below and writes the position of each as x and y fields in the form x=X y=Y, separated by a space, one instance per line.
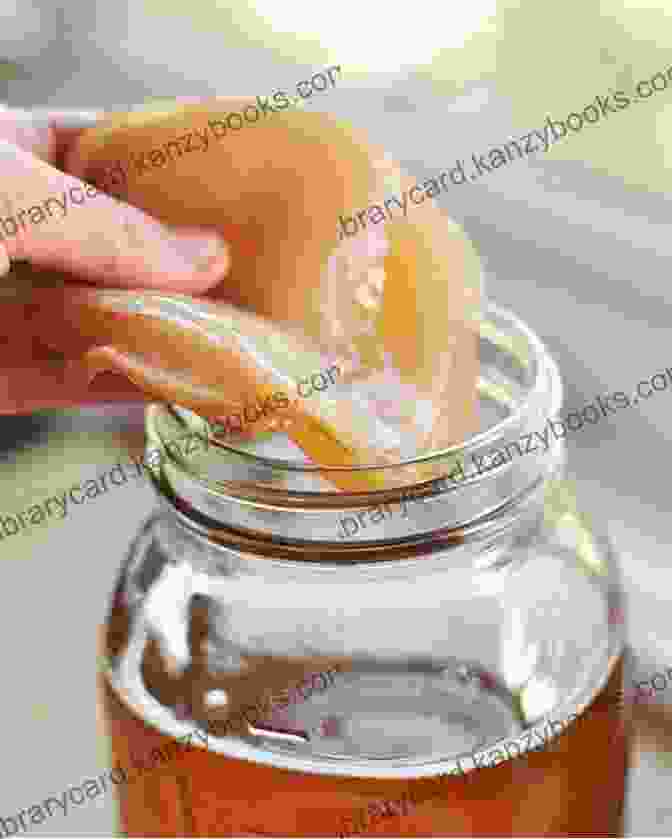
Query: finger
x=35 y=377
x=45 y=133
x=54 y=220
x=45 y=384
x=65 y=127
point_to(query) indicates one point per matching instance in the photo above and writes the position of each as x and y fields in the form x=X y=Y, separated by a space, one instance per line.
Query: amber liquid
x=575 y=786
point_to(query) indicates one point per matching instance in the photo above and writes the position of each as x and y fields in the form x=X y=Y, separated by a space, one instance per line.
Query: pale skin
x=272 y=196
x=105 y=242
x=108 y=242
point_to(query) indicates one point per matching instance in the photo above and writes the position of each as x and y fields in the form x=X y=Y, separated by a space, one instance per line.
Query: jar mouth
x=248 y=488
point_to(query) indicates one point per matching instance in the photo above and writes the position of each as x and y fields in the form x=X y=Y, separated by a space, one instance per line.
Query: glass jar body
x=427 y=691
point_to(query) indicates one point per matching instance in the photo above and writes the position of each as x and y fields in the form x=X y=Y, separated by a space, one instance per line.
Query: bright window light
x=367 y=36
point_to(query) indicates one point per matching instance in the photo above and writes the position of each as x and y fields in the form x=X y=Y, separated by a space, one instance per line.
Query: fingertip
x=47 y=386
x=111 y=387
x=211 y=259
x=188 y=260
x=206 y=251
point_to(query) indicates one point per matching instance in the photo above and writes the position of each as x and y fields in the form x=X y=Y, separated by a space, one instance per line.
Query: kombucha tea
x=573 y=786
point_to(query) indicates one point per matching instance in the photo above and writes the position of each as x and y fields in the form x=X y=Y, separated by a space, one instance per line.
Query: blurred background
x=576 y=241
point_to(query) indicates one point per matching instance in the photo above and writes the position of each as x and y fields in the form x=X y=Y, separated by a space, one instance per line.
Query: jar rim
x=518 y=376
x=542 y=363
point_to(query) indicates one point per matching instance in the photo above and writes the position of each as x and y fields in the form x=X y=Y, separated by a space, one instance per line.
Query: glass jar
x=441 y=659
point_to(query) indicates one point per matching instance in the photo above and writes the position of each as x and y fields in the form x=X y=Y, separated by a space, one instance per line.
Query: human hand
x=275 y=195
x=50 y=219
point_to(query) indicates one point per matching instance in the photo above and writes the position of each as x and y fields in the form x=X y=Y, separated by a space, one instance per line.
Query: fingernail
x=203 y=253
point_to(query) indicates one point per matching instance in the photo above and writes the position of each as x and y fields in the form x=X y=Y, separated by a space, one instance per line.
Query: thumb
x=54 y=220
